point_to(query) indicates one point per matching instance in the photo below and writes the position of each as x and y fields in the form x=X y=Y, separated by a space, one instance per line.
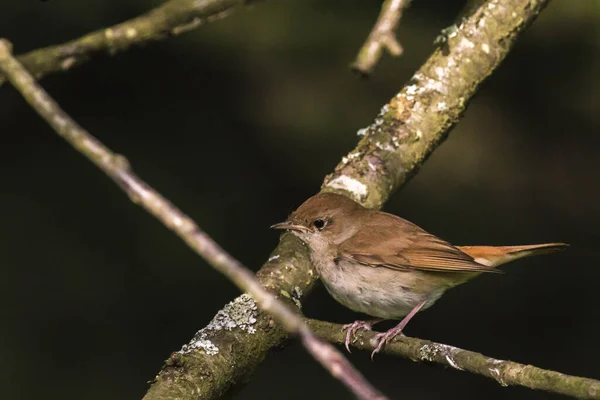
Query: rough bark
x=392 y=149
x=506 y=373
x=226 y=352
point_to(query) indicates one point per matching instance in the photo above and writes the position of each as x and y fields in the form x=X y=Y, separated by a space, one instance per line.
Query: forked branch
x=382 y=37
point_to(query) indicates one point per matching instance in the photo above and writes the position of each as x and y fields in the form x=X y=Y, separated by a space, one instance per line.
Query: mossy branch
x=506 y=373
x=170 y=18
x=420 y=116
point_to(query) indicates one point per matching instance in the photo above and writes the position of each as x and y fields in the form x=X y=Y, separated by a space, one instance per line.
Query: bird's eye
x=319 y=223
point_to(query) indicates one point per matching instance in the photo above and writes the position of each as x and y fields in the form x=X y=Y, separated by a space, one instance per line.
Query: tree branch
x=118 y=169
x=382 y=37
x=408 y=129
x=504 y=372
x=171 y=18
x=392 y=149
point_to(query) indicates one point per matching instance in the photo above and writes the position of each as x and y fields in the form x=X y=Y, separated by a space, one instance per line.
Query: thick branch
x=401 y=138
x=171 y=18
x=382 y=37
x=504 y=372
x=419 y=117
x=117 y=168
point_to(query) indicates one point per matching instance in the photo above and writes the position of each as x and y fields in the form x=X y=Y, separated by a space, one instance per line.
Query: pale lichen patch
x=296 y=296
x=350 y=157
x=495 y=371
x=434 y=351
x=292 y=297
x=384 y=110
x=297 y=292
x=200 y=344
x=440 y=72
x=386 y=147
x=351 y=185
x=428 y=353
x=240 y=313
x=446 y=33
x=466 y=43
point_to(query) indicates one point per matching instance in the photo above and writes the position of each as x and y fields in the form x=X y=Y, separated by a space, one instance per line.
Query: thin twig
x=504 y=372
x=170 y=18
x=382 y=37
x=117 y=168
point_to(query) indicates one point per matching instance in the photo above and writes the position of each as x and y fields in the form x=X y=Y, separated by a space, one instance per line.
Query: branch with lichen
x=382 y=37
x=170 y=18
x=506 y=373
x=408 y=129
x=391 y=150
x=119 y=170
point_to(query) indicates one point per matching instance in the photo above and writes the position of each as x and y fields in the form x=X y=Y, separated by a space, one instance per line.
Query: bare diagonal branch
x=170 y=18
x=118 y=169
x=504 y=372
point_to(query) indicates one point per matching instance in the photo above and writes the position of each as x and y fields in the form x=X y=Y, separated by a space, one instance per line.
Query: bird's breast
x=377 y=291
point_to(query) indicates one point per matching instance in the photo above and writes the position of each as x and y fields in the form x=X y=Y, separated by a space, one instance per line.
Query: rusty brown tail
x=494 y=256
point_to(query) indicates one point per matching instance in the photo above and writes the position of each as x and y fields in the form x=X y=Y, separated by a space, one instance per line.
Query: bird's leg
x=385 y=337
x=356 y=325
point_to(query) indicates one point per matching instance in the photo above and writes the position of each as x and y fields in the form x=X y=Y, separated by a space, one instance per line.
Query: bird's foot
x=356 y=325
x=384 y=337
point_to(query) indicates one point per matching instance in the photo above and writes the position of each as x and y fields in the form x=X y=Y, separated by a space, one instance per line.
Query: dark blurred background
x=237 y=123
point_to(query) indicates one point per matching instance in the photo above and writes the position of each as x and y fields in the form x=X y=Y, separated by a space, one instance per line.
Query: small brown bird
x=384 y=266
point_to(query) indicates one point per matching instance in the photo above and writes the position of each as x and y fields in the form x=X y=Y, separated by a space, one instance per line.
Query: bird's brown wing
x=395 y=243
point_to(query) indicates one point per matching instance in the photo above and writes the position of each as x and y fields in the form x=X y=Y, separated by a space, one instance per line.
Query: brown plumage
x=382 y=265
x=392 y=242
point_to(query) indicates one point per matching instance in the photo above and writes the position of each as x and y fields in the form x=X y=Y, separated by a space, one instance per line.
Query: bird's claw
x=353 y=327
x=383 y=338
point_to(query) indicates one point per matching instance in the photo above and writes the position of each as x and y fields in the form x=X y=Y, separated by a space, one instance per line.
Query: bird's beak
x=289 y=226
